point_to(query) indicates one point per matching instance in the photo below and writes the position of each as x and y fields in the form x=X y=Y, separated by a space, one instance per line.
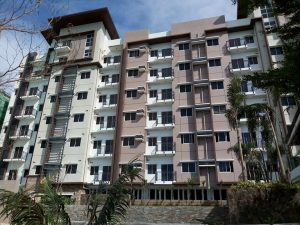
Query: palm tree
x=23 y=208
x=236 y=99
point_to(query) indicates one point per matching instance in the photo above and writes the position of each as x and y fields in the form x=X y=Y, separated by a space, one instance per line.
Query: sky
x=156 y=15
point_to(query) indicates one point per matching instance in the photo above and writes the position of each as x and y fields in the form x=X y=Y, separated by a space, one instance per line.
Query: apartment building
x=95 y=102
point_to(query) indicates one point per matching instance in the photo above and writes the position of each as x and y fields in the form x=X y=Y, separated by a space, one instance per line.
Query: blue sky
x=157 y=15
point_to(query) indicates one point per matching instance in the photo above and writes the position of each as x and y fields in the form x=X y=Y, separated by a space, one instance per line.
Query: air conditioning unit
x=140 y=112
x=139 y=137
x=142 y=68
x=142 y=49
x=141 y=90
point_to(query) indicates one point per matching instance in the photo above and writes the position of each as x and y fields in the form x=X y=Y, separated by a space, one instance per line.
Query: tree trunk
x=244 y=174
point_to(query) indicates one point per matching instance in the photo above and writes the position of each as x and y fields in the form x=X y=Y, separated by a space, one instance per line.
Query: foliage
x=262 y=185
x=23 y=208
x=285 y=79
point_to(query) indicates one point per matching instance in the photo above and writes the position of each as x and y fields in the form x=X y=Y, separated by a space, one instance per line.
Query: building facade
x=95 y=102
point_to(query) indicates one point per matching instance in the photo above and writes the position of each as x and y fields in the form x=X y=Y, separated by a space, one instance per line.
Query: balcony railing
x=14 y=156
x=30 y=93
x=20 y=133
x=164 y=148
x=239 y=43
x=165 y=96
x=243 y=65
x=164 y=176
x=25 y=112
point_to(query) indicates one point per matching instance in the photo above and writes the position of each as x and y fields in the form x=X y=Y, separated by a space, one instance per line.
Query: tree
x=236 y=99
x=285 y=79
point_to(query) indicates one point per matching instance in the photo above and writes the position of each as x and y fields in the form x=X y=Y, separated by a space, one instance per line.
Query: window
x=28 y=110
x=151 y=168
x=117 y=59
x=252 y=60
x=12 y=174
x=186 y=88
x=219 y=109
x=85 y=75
x=38 y=170
x=53 y=98
x=154 y=73
x=167 y=144
x=24 y=130
x=97 y=144
x=133 y=73
x=88 y=53
x=45 y=88
x=79 y=117
x=105 y=78
x=154 y=53
x=89 y=40
x=48 y=119
x=166 y=94
x=82 y=95
x=102 y=99
x=270 y=25
x=43 y=143
x=26 y=173
x=217 y=85
x=106 y=173
x=166 y=117
x=75 y=142
x=214 y=62
x=222 y=136
x=152 y=141
x=71 y=168
x=113 y=99
x=212 y=42
x=56 y=78
x=115 y=78
x=237 y=63
x=153 y=93
x=288 y=101
x=107 y=60
x=94 y=170
x=130 y=116
x=187 y=138
x=234 y=42
x=100 y=120
x=276 y=51
x=111 y=121
x=184 y=46
x=36 y=127
x=249 y=40
x=184 y=66
x=134 y=53
x=166 y=72
x=128 y=141
x=18 y=152
x=131 y=94
x=266 y=12
x=31 y=148
x=66 y=43
x=186 y=112
x=246 y=138
x=152 y=116
x=109 y=146
x=226 y=166
x=188 y=167
x=166 y=52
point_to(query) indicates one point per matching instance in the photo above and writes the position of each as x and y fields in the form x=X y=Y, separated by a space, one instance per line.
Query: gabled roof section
x=76 y=19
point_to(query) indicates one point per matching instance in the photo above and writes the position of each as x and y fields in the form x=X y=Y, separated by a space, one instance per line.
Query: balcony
x=104 y=129
x=31 y=94
x=162 y=177
x=167 y=122
x=107 y=84
x=62 y=47
x=20 y=133
x=240 y=45
x=105 y=106
x=111 y=62
x=161 y=78
x=162 y=150
x=16 y=156
x=162 y=99
x=241 y=66
x=25 y=113
x=162 y=56
x=102 y=152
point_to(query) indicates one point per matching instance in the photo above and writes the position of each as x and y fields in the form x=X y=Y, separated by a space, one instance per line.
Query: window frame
x=71 y=169
x=188 y=167
x=128 y=141
x=75 y=142
x=79 y=117
x=82 y=95
x=187 y=138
